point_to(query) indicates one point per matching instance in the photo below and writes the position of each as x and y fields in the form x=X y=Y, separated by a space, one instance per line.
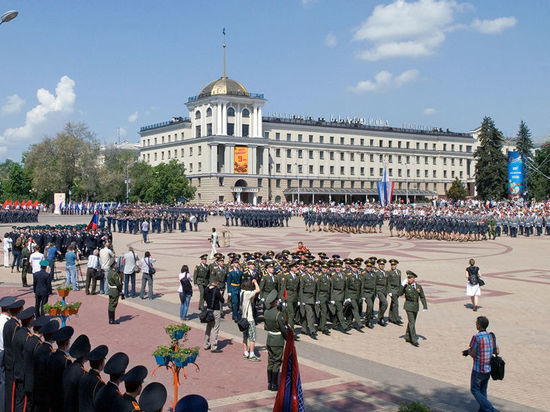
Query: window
x=381 y=171
x=277 y=168
x=371 y=171
x=332 y=184
x=310 y=169
x=208 y=112
x=433 y=146
x=220 y=181
x=200 y=150
x=148 y=156
x=452 y=162
x=300 y=154
x=381 y=158
x=321 y=183
x=246 y=129
x=362 y=142
x=434 y=173
x=311 y=154
x=372 y=157
x=331 y=170
x=425 y=173
x=461 y=174
x=311 y=183
x=408 y=160
x=433 y=161
x=362 y=185
x=399 y=144
x=162 y=139
x=260 y=182
x=444 y=161
x=300 y=169
x=417 y=160
x=310 y=138
x=372 y=142
x=425 y=146
x=408 y=172
x=362 y=157
x=169 y=137
x=331 y=155
x=277 y=136
x=331 y=139
x=352 y=184
x=399 y=172
x=452 y=148
x=289 y=183
x=417 y=145
x=390 y=171
x=380 y=143
x=352 y=170
x=417 y=173
x=198 y=114
x=266 y=135
x=352 y=157
x=342 y=156
x=352 y=141
x=289 y=168
x=453 y=174
x=230 y=129
x=321 y=155
x=277 y=152
x=321 y=139
x=288 y=137
x=362 y=171
x=209 y=129
x=181 y=135
x=200 y=169
x=246 y=113
x=197 y=131
x=468 y=149
x=399 y=159
x=190 y=151
x=460 y=148
x=230 y=112
x=389 y=158
x=408 y=145
x=190 y=168
x=288 y=153
x=389 y=143
x=342 y=140
x=277 y=182
x=182 y=152
x=162 y=155
x=342 y=184
x=444 y=174
x=445 y=147
x=426 y=160
x=299 y=137
x=321 y=170
x=460 y=162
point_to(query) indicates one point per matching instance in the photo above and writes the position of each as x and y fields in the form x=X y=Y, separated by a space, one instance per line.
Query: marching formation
x=18 y=216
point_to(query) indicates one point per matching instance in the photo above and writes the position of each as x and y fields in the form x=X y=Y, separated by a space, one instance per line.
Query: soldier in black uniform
x=72 y=374
x=90 y=382
x=107 y=396
x=133 y=381
x=57 y=363
x=31 y=344
x=40 y=393
x=17 y=344
x=10 y=328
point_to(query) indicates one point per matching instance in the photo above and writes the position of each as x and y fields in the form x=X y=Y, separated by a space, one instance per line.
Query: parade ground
x=371 y=371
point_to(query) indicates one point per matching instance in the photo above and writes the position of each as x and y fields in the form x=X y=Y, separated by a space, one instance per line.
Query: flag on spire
x=385 y=189
x=290 y=397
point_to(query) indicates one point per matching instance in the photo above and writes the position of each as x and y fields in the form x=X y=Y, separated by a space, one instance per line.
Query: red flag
x=16 y=203
x=35 y=203
x=5 y=204
x=10 y=202
x=290 y=397
x=93 y=222
x=29 y=203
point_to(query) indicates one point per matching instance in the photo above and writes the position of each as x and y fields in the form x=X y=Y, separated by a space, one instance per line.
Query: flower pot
x=176 y=335
x=53 y=312
x=192 y=358
x=161 y=360
x=179 y=363
x=72 y=311
x=65 y=312
x=63 y=292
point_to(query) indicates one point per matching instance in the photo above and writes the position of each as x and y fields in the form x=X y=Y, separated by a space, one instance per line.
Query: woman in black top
x=213 y=298
x=473 y=288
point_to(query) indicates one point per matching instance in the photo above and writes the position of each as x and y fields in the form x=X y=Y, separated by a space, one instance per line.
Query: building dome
x=224 y=85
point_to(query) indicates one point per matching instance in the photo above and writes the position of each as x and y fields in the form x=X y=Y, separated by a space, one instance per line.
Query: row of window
x=245 y=130
x=230 y=113
x=352 y=140
x=170 y=154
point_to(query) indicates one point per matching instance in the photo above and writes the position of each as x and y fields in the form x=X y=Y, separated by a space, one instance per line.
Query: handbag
x=481 y=282
x=207 y=315
x=242 y=323
x=152 y=270
x=136 y=268
x=497 y=363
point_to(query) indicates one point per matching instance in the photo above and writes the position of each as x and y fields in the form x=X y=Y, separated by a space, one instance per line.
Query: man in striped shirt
x=481 y=349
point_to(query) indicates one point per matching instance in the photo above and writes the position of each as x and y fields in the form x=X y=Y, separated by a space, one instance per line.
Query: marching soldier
x=413 y=292
x=353 y=294
x=308 y=291
x=394 y=284
x=290 y=287
x=200 y=278
x=381 y=290
x=324 y=285
x=337 y=295
x=368 y=279
x=269 y=282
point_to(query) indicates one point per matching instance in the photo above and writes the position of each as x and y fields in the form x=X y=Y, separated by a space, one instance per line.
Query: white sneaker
x=245 y=354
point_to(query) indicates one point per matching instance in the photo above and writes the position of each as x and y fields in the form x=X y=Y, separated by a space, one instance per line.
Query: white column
x=224 y=119
x=252 y=122
x=251 y=160
x=214 y=158
x=266 y=161
x=219 y=130
x=227 y=158
x=260 y=125
x=238 y=121
x=254 y=198
x=231 y=159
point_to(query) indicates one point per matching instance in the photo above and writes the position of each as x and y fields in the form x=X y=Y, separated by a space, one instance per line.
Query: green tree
x=491 y=163
x=168 y=182
x=525 y=146
x=457 y=191
x=69 y=161
x=18 y=183
x=112 y=173
x=540 y=173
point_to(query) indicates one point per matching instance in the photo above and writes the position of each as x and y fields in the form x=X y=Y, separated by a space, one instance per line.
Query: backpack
x=497 y=363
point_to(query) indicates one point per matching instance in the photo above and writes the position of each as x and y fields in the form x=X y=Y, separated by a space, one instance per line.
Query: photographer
x=213 y=297
x=147 y=272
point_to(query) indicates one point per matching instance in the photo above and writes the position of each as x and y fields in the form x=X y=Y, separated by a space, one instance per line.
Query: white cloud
x=330 y=40
x=13 y=105
x=384 y=80
x=40 y=115
x=402 y=29
x=133 y=117
x=494 y=26
x=428 y=111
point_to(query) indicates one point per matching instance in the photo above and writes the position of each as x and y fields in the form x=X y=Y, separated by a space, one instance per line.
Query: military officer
x=307 y=294
x=368 y=279
x=90 y=382
x=200 y=278
x=276 y=328
x=19 y=338
x=290 y=288
x=133 y=381
x=153 y=397
x=72 y=374
x=10 y=328
x=394 y=284
x=115 y=291
x=268 y=282
x=57 y=363
x=381 y=290
x=323 y=297
x=353 y=295
x=413 y=292
x=234 y=279
x=337 y=295
x=40 y=392
x=109 y=394
x=31 y=344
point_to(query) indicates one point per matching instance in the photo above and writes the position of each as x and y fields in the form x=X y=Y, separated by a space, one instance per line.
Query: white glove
x=347 y=300
x=284 y=304
x=404 y=282
x=318 y=302
x=262 y=300
x=389 y=294
x=332 y=302
x=363 y=299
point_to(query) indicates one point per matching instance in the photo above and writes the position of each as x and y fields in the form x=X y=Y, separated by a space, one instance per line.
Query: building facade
x=232 y=152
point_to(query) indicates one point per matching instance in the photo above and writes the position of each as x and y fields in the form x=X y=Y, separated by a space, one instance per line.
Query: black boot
x=269 y=380
x=275 y=381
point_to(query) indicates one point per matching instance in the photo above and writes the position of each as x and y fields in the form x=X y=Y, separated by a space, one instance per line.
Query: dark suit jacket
x=19 y=339
x=71 y=377
x=28 y=352
x=88 y=387
x=10 y=328
x=57 y=363
x=41 y=393
x=41 y=283
x=107 y=397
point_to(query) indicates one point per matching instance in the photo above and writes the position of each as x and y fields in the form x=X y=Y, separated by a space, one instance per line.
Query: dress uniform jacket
x=412 y=296
x=107 y=397
x=57 y=363
x=70 y=381
x=394 y=281
x=18 y=342
x=41 y=394
x=10 y=328
x=31 y=345
x=88 y=387
x=267 y=284
x=126 y=403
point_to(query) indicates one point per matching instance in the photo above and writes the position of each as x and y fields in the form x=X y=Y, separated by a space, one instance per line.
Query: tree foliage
x=540 y=176
x=457 y=191
x=525 y=146
x=491 y=163
x=17 y=185
x=167 y=182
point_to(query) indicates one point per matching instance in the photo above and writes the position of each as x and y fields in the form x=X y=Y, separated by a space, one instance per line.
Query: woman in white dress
x=7 y=249
x=473 y=288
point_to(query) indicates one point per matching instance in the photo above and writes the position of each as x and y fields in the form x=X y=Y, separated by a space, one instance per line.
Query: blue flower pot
x=179 y=363
x=193 y=358
x=177 y=335
x=161 y=360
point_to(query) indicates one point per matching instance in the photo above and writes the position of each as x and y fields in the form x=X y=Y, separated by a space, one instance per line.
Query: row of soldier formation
x=312 y=290
x=44 y=371
x=18 y=216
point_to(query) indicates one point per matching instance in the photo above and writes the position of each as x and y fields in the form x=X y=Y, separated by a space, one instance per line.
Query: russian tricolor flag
x=385 y=189
x=93 y=223
x=290 y=397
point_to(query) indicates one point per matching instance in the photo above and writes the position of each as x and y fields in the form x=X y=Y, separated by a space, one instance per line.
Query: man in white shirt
x=92 y=270
x=145 y=230
x=130 y=265
x=35 y=258
x=106 y=259
x=214 y=241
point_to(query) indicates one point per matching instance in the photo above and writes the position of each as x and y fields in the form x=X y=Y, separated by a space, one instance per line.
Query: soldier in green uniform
x=368 y=279
x=115 y=291
x=268 y=282
x=307 y=294
x=413 y=292
x=394 y=284
x=352 y=296
x=219 y=271
x=381 y=290
x=324 y=285
x=337 y=295
x=291 y=286
x=275 y=325
x=200 y=278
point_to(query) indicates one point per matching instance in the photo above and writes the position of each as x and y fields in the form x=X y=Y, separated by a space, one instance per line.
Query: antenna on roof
x=223 y=31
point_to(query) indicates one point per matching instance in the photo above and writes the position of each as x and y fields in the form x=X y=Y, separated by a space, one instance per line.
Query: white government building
x=232 y=152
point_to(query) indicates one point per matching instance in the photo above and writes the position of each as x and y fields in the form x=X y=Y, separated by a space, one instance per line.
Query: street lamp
x=8 y=16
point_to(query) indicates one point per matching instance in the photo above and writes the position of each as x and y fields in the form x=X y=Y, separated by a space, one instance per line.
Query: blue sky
x=112 y=65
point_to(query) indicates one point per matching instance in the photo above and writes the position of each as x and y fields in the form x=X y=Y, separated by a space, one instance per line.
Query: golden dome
x=224 y=85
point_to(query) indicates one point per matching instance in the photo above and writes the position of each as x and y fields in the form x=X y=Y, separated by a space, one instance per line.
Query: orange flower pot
x=65 y=312
x=53 y=312
x=72 y=311
x=63 y=292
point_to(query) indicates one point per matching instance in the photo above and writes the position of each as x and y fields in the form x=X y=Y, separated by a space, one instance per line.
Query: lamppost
x=8 y=16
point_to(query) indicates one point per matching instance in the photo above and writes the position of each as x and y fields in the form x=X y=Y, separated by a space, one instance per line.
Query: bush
x=163 y=351
x=415 y=406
